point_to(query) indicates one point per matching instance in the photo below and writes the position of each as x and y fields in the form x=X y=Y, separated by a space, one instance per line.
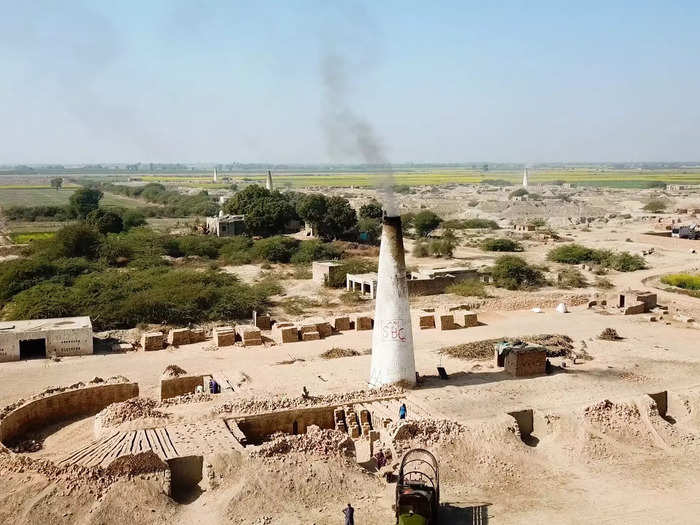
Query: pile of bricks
x=309 y=332
x=363 y=322
x=224 y=336
x=446 y=322
x=152 y=341
x=249 y=334
x=179 y=336
x=264 y=322
x=467 y=318
x=365 y=422
x=197 y=335
x=341 y=324
x=285 y=333
x=426 y=321
x=339 y=417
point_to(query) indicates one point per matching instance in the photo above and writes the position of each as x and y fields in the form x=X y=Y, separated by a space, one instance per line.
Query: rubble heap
x=255 y=406
x=129 y=410
x=316 y=441
x=173 y=371
x=426 y=432
x=135 y=464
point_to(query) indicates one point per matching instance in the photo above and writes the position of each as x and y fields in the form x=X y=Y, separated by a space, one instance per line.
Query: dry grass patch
x=557 y=345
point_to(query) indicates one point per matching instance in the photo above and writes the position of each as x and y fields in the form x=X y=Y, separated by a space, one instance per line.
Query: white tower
x=525 y=178
x=392 y=336
x=215 y=174
x=268 y=182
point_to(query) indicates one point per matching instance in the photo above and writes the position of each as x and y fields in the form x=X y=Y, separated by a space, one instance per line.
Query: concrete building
x=226 y=225
x=323 y=271
x=45 y=338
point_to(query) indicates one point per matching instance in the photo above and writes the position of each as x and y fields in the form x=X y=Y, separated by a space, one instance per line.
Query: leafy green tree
x=57 y=183
x=266 y=212
x=133 y=219
x=425 y=221
x=84 y=200
x=371 y=210
x=370 y=230
x=331 y=217
x=77 y=240
x=520 y=192
x=501 y=245
x=655 y=206
x=105 y=221
x=514 y=273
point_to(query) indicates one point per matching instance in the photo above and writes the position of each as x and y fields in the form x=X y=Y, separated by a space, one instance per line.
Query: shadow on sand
x=458 y=514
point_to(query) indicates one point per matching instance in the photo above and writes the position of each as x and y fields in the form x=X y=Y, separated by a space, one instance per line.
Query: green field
x=583 y=177
x=43 y=196
x=25 y=238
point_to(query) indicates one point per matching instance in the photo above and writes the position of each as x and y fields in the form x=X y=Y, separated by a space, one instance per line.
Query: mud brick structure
x=310 y=336
x=363 y=323
x=197 y=335
x=177 y=386
x=324 y=329
x=528 y=361
x=341 y=324
x=249 y=335
x=466 y=318
x=264 y=322
x=426 y=321
x=224 y=336
x=152 y=341
x=179 y=336
x=446 y=321
x=285 y=333
x=635 y=302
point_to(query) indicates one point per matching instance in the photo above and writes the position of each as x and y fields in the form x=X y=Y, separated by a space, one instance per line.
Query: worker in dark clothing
x=349 y=515
x=402 y=411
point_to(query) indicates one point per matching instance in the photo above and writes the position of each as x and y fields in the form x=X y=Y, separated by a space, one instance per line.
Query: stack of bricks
x=285 y=333
x=339 y=417
x=309 y=332
x=179 y=336
x=351 y=420
x=363 y=323
x=324 y=329
x=426 y=321
x=446 y=322
x=152 y=341
x=264 y=322
x=468 y=319
x=250 y=335
x=341 y=324
x=197 y=335
x=365 y=422
x=224 y=336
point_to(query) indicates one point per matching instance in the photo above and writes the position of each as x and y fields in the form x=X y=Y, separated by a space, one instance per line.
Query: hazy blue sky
x=305 y=81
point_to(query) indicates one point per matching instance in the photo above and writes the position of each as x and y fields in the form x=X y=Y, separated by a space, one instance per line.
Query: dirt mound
x=557 y=345
x=257 y=405
x=173 y=371
x=335 y=353
x=316 y=441
x=427 y=431
x=609 y=334
x=135 y=464
x=129 y=410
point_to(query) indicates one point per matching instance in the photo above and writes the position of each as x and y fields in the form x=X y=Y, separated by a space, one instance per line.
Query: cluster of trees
x=501 y=245
x=656 y=206
x=471 y=224
x=578 y=254
x=514 y=273
x=120 y=279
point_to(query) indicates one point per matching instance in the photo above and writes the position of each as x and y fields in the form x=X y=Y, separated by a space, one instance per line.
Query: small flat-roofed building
x=226 y=225
x=324 y=271
x=45 y=338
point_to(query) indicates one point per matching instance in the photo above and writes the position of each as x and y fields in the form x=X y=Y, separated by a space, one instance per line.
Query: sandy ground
x=588 y=462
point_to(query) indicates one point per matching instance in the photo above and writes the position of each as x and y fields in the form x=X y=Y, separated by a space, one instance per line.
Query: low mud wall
x=257 y=428
x=63 y=406
x=178 y=386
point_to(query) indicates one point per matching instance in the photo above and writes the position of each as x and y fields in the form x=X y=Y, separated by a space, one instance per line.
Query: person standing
x=349 y=515
x=402 y=411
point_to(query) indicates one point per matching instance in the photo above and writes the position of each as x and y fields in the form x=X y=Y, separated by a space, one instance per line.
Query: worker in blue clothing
x=402 y=411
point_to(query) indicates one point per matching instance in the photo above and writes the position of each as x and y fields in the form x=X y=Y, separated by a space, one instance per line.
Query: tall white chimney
x=215 y=174
x=525 y=178
x=392 y=337
x=268 y=182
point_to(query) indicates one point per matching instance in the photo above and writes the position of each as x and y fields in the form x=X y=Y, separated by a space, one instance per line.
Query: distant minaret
x=268 y=184
x=215 y=174
x=525 y=178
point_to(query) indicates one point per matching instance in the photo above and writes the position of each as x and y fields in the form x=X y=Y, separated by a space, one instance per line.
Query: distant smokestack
x=392 y=338
x=525 y=178
x=215 y=174
x=268 y=183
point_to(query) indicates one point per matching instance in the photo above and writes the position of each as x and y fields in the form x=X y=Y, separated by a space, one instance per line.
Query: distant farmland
x=583 y=177
x=44 y=196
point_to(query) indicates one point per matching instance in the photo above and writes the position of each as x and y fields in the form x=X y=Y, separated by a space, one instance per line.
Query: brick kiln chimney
x=392 y=337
